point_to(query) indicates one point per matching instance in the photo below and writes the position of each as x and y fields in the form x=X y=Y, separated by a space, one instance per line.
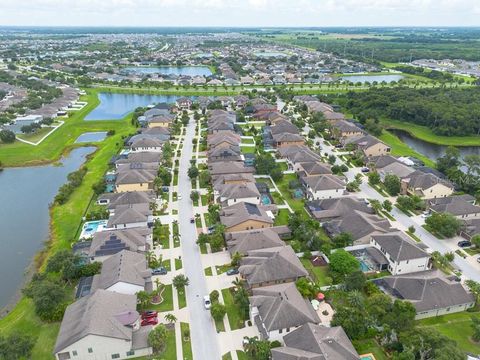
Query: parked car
x=425 y=215
x=149 y=314
x=210 y=229
x=159 y=271
x=232 y=271
x=179 y=197
x=206 y=302
x=365 y=170
x=464 y=243
x=149 y=321
x=192 y=221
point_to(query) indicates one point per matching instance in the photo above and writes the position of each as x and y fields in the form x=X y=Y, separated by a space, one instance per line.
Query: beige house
x=426 y=185
x=245 y=216
x=369 y=145
x=135 y=180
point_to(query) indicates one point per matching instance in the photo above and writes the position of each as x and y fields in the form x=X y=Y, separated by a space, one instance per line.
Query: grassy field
x=425 y=134
x=456 y=327
x=370 y=346
x=399 y=148
x=63 y=139
x=282 y=217
x=320 y=272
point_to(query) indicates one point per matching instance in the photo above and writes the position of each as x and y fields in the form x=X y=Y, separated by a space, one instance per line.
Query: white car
x=206 y=302
x=179 y=197
x=425 y=215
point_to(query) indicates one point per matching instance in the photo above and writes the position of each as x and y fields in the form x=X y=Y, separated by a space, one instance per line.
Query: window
x=115 y=356
x=64 y=356
x=131 y=352
x=74 y=353
x=90 y=350
x=280 y=331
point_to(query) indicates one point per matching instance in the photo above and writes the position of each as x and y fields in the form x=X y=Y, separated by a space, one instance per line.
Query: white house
x=402 y=254
x=279 y=309
x=324 y=186
x=230 y=194
x=126 y=272
x=103 y=325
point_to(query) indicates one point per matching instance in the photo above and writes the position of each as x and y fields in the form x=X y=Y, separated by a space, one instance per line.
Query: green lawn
x=166 y=304
x=282 y=217
x=204 y=199
x=227 y=356
x=222 y=268
x=425 y=134
x=208 y=271
x=161 y=235
x=170 y=349
x=241 y=355
x=248 y=141
x=36 y=136
x=399 y=148
x=370 y=346
x=277 y=198
x=219 y=326
x=248 y=149
x=178 y=264
x=295 y=204
x=186 y=344
x=234 y=317
x=320 y=272
x=456 y=327
x=167 y=264
x=182 y=299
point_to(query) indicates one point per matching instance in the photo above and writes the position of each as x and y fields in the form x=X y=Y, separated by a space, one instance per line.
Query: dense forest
x=445 y=111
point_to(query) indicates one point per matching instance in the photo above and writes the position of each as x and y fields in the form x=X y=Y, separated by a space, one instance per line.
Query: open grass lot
x=186 y=344
x=63 y=139
x=248 y=149
x=295 y=204
x=456 y=327
x=234 y=317
x=399 y=148
x=319 y=272
x=36 y=136
x=369 y=346
x=425 y=134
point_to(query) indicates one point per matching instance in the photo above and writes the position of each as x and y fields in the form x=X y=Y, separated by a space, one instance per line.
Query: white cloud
x=240 y=12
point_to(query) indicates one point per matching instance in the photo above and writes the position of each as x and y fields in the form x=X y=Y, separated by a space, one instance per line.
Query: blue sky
x=240 y=12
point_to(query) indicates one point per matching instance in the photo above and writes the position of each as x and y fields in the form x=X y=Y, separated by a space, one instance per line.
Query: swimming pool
x=266 y=199
x=91 y=227
x=365 y=268
x=367 y=357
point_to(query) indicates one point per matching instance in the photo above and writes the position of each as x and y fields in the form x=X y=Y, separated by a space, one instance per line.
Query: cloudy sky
x=240 y=12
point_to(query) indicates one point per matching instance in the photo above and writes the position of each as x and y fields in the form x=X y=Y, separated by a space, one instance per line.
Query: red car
x=150 y=321
x=149 y=314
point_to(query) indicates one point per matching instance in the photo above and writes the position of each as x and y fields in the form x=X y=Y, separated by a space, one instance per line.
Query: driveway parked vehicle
x=149 y=314
x=232 y=272
x=464 y=243
x=149 y=321
x=159 y=271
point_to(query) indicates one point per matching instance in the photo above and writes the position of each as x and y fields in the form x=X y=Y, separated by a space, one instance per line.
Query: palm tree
x=143 y=298
x=238 y=283
x=170 y=318
x=355 y=299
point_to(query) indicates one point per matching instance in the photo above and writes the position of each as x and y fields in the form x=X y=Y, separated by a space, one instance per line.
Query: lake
x=24 y=215
x=170 y=70
x=115 y=106
x=430 y=150
x=371 y=78
x=91 y=137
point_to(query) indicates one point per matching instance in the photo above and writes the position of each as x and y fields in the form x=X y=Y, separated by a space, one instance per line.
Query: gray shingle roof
x=125 y=266
x=127 y=214
x=281 y=306
x=130 y=239
x=135 y=176
x=426 y=290
x=241 y=212
x=129 y=198
x=328 y=209
x=244 y=241
x=399 y=247
x=324 y=182
x=238 y=191
x=103 y=313
x=316 y=342
x=455 y=205
x=271 y=264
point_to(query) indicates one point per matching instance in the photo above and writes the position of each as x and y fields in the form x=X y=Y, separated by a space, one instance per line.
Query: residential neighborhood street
x=202 y=329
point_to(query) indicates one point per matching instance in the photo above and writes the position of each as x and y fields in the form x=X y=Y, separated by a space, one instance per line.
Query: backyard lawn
x=295 y=204
x=369 y=346
x=282 y=217
x=248 y=149
x=319 y=272
x=456 y=327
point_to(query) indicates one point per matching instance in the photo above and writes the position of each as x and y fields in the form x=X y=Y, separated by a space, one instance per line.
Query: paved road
x=469 y=267
x=202 y=329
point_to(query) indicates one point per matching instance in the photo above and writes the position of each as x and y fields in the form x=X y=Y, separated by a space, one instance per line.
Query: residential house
x=139 y=158
x=134 y=179
x=430 y=292
x=244 y=241
x=323 y=186
x=223 y=139
x=146 y=143
x=287 y=139
x=162 y=120
x=242 y=178
x=336 y=208
x=264 y=267
x=130 y=216
x=224 y=168
x=245 y=216
x=279 y=309
x=313 y=168
x=343 y=129
x=229 y=194
x=112 y=200
x=184 y=103
x=126 y=272
x=316 y=342
x=426 y=185
x=368 y=144
x=103 y=325
x=224 y=154
x=403 y=255
x=461 y=206
x=107 y=243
